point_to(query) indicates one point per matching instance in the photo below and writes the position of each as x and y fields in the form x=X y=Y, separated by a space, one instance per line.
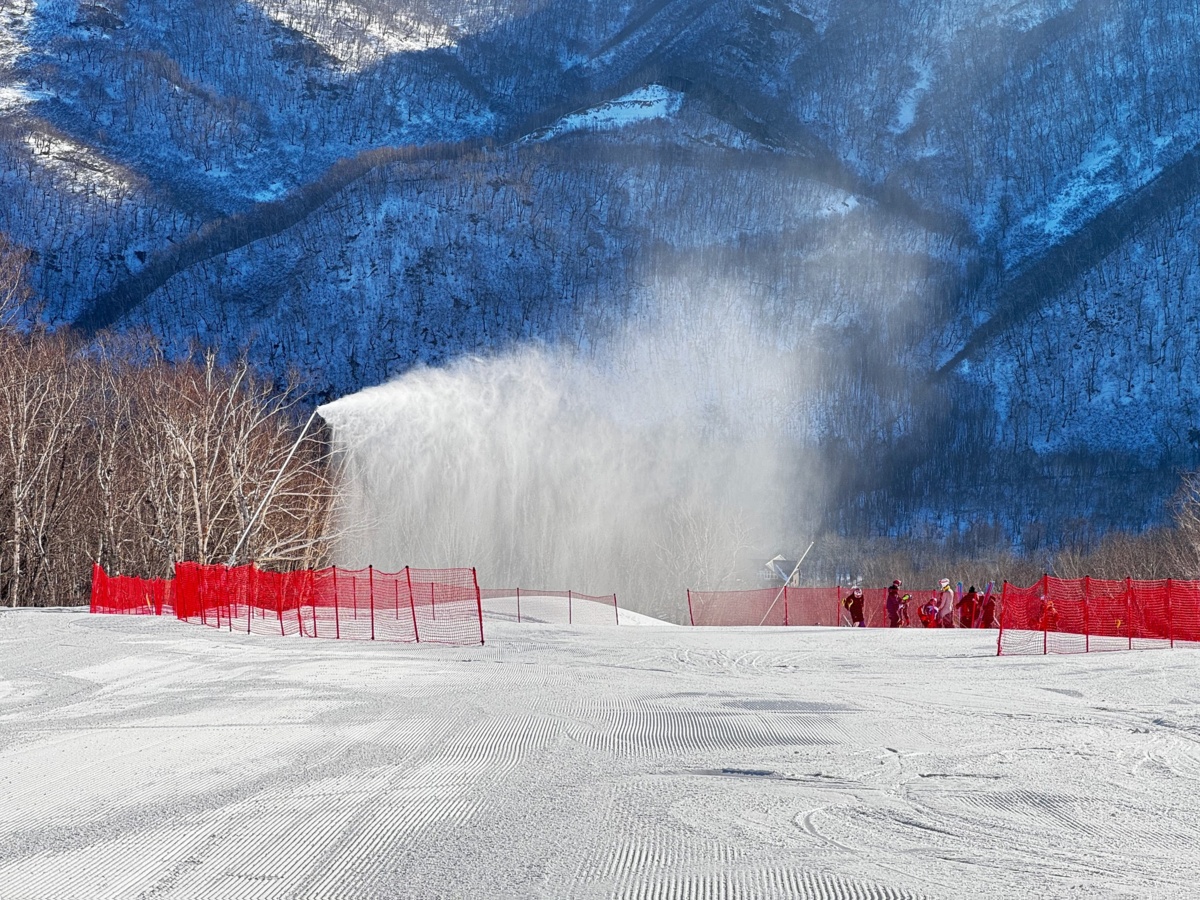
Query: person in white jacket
x=945 y=597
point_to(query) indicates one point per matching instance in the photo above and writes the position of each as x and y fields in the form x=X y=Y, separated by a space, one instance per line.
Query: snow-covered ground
x=143 y=757
x=654 y=101
x=559 y=610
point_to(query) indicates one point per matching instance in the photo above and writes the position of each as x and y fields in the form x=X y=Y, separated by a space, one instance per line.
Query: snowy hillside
x=975 y=223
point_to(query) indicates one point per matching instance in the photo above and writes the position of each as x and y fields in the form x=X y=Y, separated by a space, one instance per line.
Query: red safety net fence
x=439 y=606
x=128 y=596
x=1089 y=614
x=552 y=607
x=797 y=606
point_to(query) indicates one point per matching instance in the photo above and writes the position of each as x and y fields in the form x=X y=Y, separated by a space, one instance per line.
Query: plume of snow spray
x=643 y=469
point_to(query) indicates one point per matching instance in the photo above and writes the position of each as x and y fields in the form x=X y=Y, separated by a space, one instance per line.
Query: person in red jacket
x=987 y=618
x=928 y=613
x=1048 y=620
x=968 y=608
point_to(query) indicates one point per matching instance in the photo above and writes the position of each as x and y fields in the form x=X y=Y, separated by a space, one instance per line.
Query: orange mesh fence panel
x=273 y=600
x=550 y=607
x=447 y=605
x=324 y=615
x=875 y=607
x=1109 y=613
x=1151 y=614
x=814 y=606
x=1183 y=621
x=349 y=597
x=393 y=610
x=298 y=591
x=257 y=610
x=1090 y=614
x=1065 y=614
x=761 y=607
x=127 y=595
x=233 y=597
x=1021 y=610
x=409 y=606
x=200 y=594
x=346 y=604
x=797 y=606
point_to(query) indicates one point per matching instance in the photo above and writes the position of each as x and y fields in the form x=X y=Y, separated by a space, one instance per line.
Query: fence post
x=1000 y=622
x=569 y=622
x=96 y=586
x=1129 y=608
x=478 y=603
x=307 y=576
x=279 y=583
x=249 y=595
x=785 y=607
x=337 y=621
x=518 y=605
x=691 y=615
x=371 y=594
x=616 y=611
x=314 y=604
x=1045 y=618
x=412 y=603
x=1170 y=626
x=1087 y=625
x=837 y=608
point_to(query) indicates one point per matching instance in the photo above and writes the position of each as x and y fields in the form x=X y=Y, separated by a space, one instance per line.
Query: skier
x=854 y=603
x=893 y=604
x=902 y=611
x=968 y=608
x=928 y=614
x=988 y=615
x=1048 y=620
x=945 y=603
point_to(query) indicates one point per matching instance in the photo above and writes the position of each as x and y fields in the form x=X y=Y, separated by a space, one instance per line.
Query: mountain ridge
x=976 y=222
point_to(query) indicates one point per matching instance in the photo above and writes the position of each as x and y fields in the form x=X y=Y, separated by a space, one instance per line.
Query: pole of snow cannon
x=786 y=583
x=270 y=490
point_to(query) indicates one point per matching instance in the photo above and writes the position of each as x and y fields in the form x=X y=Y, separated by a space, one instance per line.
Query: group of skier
x=942 y=610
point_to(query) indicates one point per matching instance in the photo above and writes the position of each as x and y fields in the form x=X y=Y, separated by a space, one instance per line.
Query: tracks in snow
x=573 y=763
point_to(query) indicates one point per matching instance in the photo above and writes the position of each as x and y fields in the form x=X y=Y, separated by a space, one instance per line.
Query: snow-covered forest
x=973 y=224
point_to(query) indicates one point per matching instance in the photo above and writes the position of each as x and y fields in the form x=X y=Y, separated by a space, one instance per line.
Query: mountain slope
x=973 y=223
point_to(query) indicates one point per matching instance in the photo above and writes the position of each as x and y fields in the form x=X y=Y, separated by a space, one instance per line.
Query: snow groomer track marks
x=142 y=758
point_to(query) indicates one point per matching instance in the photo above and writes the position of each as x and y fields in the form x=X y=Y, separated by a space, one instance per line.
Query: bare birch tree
x=42 y=438
x=110 y=452
x=212 y=441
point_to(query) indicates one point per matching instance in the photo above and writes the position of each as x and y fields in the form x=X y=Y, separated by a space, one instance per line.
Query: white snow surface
x=357 y=34
x=654 y=101
x=144 y=757
x=560 y=610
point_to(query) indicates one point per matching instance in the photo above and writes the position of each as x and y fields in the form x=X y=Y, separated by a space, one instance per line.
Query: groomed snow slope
x=144 y=757
x=559 y=610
